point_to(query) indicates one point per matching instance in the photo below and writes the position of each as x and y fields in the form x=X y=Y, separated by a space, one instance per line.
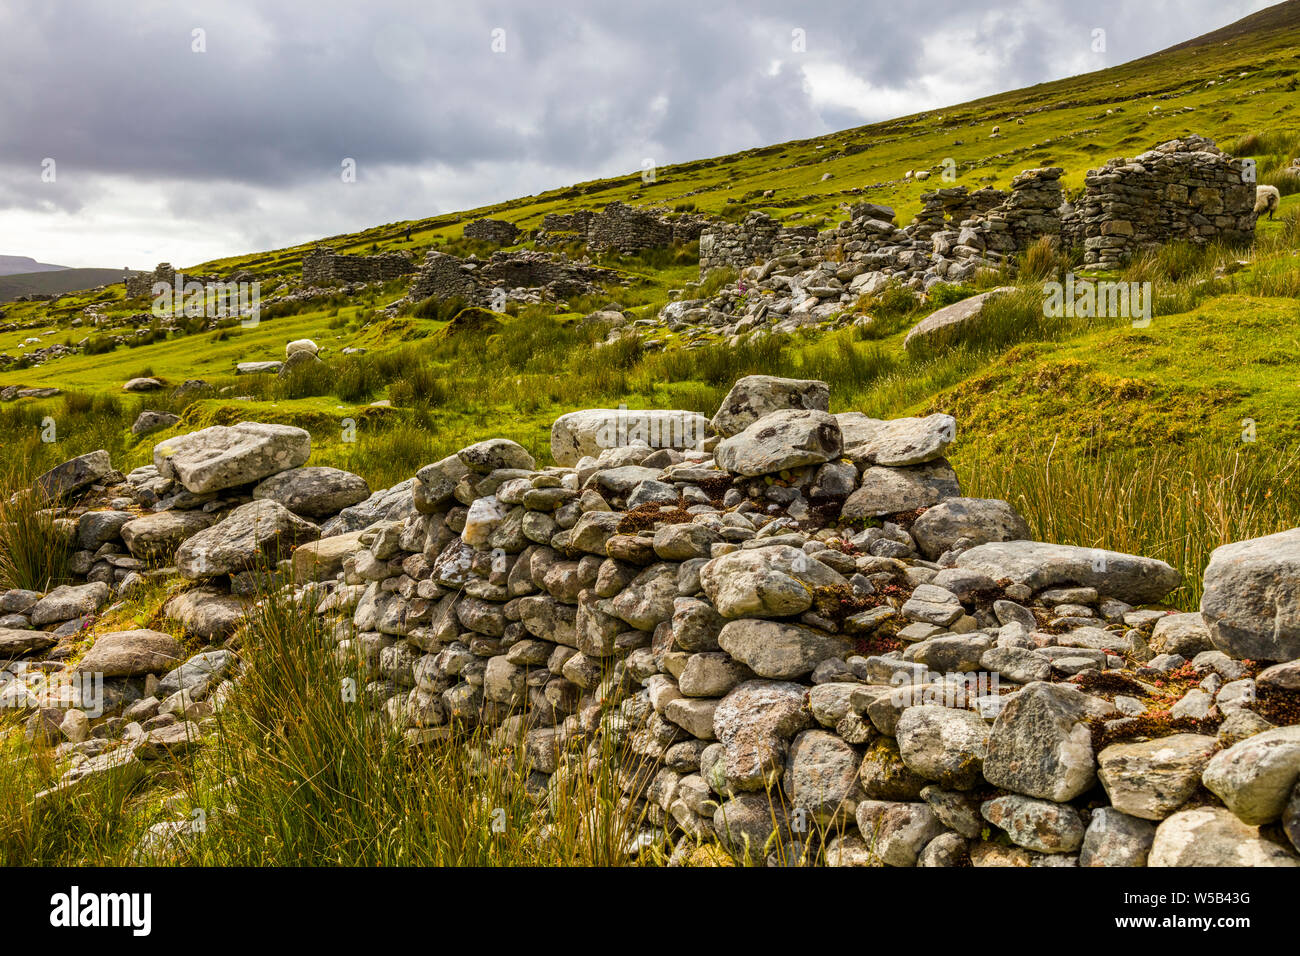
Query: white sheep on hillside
x=1266 y=200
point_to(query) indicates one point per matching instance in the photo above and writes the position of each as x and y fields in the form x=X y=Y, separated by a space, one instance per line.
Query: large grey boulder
x=251 y=537
x=158 y=535
x=1251 y=602
x=69 y=601
x=756 y=396
x=150 y=421
x=589 y=431
x=1153 y=778
x=1041 y=745
x=947 y=322
x=1254 y=778
x=1212 y=836
x=132 y=654
x=15 y=642
x=887 y=491
x=895 y=442
x=315 y=492
x=776 y=581
x=979 y=520
x=224 y=456
x=495 y=453
x=778 y=441
x=74 y=474
x=779 y=650
x=208 y=614
x=1039 y=565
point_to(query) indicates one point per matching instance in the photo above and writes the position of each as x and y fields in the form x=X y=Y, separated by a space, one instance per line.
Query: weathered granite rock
x=314 y=492
x=756 y=396
x=948 y=322
x=74 y=474
x=1040 y=745
x=132 y=654
x=251 y=537
x=1251 y=604
x=978 y=520
x=1212 y=836
x=778 y=650
x=775 y=581
x=590 y=431
x=1254 y=778
x=157 y=536
x=887 y=491
x=780 y=441
x=224 y=456
x=1036 y=564
x=69 y=601
x=895 y=442
x=1153 y=778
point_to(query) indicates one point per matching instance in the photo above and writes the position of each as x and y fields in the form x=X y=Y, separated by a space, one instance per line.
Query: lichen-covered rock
x=1036 y=564
x=756 y=396
x=895 y=442
x=1153 y=778
x=1254 y=778
x=224 y=456
x=314 y=492
x=1041 y=746
x=978 y=520
x=943 y=744
x=780 y=441
x=778 y=650
x=1251 y=604
x=1213 y=836
x=888 y=491
x=251 y=537
x=775 y=581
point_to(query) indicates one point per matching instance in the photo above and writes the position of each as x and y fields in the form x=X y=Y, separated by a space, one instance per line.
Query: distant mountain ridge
x=14 y=265
x=57 y=280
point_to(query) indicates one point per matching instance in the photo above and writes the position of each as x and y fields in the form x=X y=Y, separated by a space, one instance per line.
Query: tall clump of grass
x=33 y=550
x=1175 y=504
x=303 y=772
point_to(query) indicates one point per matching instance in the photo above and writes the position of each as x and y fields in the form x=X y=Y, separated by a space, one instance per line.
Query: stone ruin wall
x=476 y=280
x=622 y=227
x=142 y=284
x=497 y=231
x=323 y=265
x=1183 y=189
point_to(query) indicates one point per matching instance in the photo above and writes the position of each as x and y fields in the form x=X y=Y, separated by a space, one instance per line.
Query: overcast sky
x=173 y=145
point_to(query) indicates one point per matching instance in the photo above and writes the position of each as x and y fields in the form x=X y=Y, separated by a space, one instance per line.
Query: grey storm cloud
x=260 y=122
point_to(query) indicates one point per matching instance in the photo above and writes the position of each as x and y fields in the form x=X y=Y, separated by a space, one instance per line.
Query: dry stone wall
x=794 y=637
x=323 y=266
x=1183 y=189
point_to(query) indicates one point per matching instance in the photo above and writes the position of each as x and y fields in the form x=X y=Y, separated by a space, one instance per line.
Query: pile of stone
x=782 y=630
